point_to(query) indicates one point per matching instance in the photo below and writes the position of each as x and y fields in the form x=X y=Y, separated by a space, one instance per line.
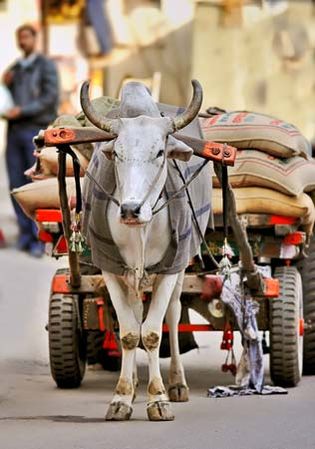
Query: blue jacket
x=35 y=89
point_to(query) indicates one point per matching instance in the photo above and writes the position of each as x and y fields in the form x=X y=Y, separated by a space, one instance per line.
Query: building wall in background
x=154 y=36
x=12 y=14
x=255 y=58
x=264 y=61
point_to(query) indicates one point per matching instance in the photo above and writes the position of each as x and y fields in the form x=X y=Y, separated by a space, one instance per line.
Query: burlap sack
x=49 y=162
x=257 y=169
x=102 y=105
x=256 y=200
x=259 y=131
x=43 y=195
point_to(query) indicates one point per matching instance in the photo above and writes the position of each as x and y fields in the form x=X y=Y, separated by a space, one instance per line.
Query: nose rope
x=108 y=195
x=184 y=187
x=155 y=180
x=111 y=197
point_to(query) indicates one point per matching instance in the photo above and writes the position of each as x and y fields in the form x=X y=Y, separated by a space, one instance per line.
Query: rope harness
x=77 y=167
x=155 y=180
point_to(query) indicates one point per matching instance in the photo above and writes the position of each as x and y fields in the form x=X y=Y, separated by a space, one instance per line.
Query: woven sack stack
x=274 y=172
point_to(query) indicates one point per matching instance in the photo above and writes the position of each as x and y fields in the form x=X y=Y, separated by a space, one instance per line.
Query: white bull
x=140 y=148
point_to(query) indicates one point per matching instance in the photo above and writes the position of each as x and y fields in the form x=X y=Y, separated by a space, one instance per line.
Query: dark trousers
x=19 y=157
x=97 y=16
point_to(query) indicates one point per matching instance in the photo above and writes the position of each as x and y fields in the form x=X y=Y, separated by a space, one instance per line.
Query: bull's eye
x=160 y=153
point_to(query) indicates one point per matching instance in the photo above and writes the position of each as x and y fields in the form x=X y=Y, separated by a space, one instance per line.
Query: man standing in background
x=33 y=83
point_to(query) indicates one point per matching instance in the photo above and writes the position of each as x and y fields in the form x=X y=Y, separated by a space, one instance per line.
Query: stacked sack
x=273 y=172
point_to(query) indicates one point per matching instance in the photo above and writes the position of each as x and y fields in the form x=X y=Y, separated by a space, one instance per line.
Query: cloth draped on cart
x=234 y=390
x=250 y=371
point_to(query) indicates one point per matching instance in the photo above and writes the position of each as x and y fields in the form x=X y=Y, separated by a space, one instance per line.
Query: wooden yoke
x=63 y=136
x=74 y=135
x=217 y=152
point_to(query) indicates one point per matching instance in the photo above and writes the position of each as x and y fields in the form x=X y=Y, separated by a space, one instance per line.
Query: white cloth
x=6 y=100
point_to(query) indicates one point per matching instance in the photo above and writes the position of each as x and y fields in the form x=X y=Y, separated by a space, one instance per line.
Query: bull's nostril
x=136 y=211
x=123 y=211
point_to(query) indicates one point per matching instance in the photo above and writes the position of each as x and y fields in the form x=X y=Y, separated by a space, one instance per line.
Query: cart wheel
x=67 y=346
x=286 y=343
x=96 y=353
x=307 y=269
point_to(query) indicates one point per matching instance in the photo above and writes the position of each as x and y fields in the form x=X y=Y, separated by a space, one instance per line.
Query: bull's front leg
x=158 y=407
x=120 y=408
x=178 y=389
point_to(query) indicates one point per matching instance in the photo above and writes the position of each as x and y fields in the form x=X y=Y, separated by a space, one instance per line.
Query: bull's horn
x=95 y=117
x=186 y=117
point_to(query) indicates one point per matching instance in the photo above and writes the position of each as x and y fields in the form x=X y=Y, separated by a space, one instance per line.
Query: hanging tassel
x=225 y=263
x=76 y=239
x=113 y=343
x=106 y=340
x=110 y=344
x=227 y=344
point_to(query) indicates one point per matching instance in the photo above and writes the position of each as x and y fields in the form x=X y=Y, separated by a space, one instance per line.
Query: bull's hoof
x=160 y=411
x=178 y=393
x=118 y=411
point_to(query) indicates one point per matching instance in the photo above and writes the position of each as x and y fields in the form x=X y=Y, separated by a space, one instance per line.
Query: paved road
x=34 y=414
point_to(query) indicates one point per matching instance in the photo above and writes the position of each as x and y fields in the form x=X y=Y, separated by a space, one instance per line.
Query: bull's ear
x=176 y=149
x=108 y=149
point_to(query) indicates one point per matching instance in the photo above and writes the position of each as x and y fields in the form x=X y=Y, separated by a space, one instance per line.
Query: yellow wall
x=235 y=53
x=155 y=39
x=241 y=67
x=233 y=56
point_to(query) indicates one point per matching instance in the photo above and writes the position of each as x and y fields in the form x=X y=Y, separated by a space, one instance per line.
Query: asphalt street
x=34 y=414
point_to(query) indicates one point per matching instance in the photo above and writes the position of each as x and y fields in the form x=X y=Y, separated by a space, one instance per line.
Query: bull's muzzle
x=129 y=212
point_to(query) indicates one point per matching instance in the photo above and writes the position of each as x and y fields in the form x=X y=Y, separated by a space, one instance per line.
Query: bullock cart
x=80 y=302
x=82 y=322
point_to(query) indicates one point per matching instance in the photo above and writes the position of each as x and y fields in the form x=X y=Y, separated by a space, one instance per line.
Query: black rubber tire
x=307 y=270
x=67 y=345
x=96 y=353
x=286 y=344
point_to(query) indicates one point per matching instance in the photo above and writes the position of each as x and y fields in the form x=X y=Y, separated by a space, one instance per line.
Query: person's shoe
x=36 y=249
x=23 y=242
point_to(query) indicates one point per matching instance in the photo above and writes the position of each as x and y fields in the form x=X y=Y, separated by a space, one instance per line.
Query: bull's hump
x=136 y=100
